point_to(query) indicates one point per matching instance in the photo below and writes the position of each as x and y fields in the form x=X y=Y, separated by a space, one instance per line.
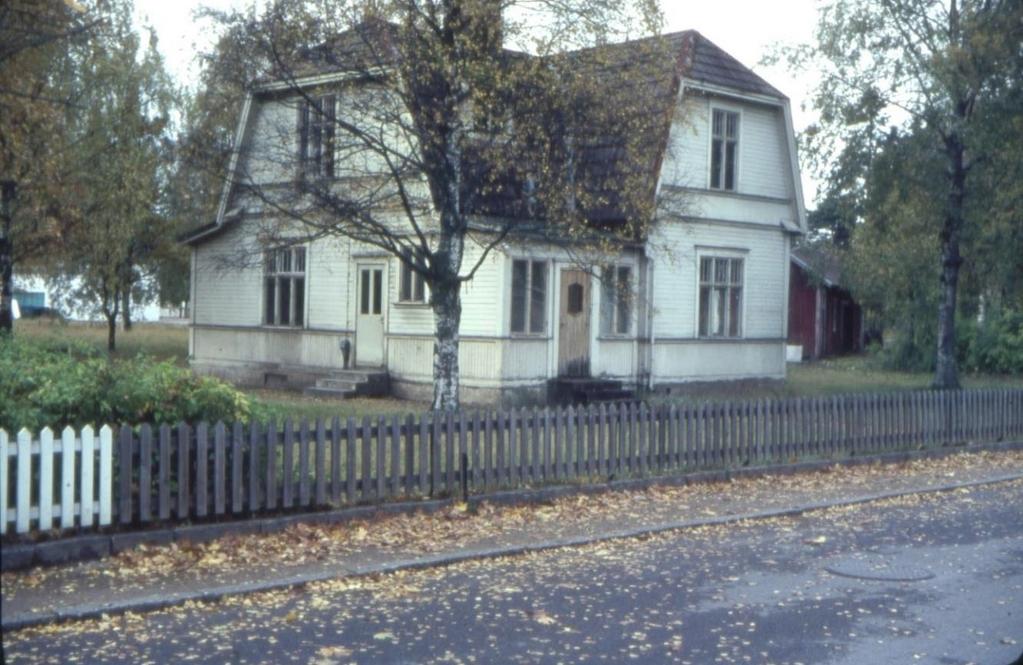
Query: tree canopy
x=917 y=141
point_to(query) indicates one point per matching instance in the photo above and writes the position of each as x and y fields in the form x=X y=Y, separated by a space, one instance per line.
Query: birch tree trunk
x=447 y=316
x=446 y=300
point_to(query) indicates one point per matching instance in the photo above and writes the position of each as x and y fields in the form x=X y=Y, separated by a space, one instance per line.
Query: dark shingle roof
x=709 y=63
x=648 y=69
x=823 y=261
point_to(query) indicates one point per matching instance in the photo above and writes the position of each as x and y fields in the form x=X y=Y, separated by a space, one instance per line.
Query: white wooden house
x=710 y=286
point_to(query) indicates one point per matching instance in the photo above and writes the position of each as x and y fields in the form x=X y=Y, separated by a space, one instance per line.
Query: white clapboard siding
x=34 y=505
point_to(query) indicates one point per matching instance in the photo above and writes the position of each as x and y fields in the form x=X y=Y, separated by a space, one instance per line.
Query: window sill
x=410 y=304
x=528 y=337
x=273 y=326
x=623 y=337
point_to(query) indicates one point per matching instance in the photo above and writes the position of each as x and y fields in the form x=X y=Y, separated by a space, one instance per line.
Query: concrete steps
x=588 y=391
x=347 y=383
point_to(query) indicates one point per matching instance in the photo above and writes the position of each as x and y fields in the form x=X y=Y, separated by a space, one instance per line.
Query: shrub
x=43 y=384
x=994 y=345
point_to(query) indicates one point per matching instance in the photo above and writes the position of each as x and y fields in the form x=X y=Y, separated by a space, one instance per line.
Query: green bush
x=995 y=345
x=43 y=384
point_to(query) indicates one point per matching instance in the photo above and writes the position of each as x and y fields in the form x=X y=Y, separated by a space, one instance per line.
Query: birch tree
x=457 y=121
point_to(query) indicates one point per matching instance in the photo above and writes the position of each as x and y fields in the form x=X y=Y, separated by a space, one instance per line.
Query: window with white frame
x=616 y=300
x=411 y=285
x=284 y=287
x=529 y=297
x=316 y=136
x=724 y=149
x=721 y=285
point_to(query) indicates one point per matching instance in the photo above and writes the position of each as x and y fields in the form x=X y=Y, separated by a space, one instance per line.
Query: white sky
x=746 y=29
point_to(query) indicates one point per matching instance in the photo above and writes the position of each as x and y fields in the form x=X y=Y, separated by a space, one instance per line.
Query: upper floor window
x=720 y=296
x=529 y=297
x=284 y=286
x=412 y=286
x=616 y=300
x=316 y=137
x=724 y=149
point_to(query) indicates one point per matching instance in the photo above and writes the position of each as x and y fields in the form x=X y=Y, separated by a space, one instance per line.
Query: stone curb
x=82 y=548
x=164 y=600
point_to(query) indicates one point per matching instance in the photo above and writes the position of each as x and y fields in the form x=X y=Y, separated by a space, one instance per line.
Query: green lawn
x=155 y=339
x=281 y=404
x=843 y=375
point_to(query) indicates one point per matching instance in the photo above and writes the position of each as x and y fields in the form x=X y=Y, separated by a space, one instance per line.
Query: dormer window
x=724 y=150
x=316 y=137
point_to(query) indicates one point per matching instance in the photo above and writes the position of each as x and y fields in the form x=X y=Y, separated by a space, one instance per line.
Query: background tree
x=119 y=132
x=34 y=96
x=444 y=136
x=935 y=70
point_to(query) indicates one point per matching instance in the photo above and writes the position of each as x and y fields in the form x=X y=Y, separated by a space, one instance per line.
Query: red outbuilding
x=824 y=319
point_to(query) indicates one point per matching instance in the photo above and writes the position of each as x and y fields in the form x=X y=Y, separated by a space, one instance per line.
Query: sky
x=746 y=29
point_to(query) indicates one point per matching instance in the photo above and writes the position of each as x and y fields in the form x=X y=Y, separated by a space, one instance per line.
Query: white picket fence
x=33 y=462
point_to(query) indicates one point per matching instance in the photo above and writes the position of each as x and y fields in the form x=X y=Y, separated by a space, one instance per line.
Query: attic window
x=316 y=136
x=724 y=149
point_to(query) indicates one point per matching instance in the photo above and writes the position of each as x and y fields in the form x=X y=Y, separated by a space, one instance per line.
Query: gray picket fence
x=188 y=473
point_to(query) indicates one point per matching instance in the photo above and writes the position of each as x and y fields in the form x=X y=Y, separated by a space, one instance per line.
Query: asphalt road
x=924 y=579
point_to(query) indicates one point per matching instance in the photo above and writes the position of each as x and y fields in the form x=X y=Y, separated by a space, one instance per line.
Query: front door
x=369 y=318
x=574 y=324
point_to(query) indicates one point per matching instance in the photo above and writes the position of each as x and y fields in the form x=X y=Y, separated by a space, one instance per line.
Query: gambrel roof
x=652 y=69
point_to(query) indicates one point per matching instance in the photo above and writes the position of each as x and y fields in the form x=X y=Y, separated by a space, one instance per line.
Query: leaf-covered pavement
x=155 y=570
x=756 y=591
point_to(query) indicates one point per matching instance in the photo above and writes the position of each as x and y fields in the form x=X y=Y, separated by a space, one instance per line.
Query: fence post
x=145 y=475
x=351 y=446
x=237 y=439
x=254 y=466
x=86 y=488
x=67 y=478
x=335 y=458
x=46 y=479
x=320 y=462
x=410 y=454
x=395 y=484
x=202 y=463
x=106 y=475
x=304 y=497
x=23 y=490
x=381 y=465
x=184 y=470
x=124 y=473
x=165 y=473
